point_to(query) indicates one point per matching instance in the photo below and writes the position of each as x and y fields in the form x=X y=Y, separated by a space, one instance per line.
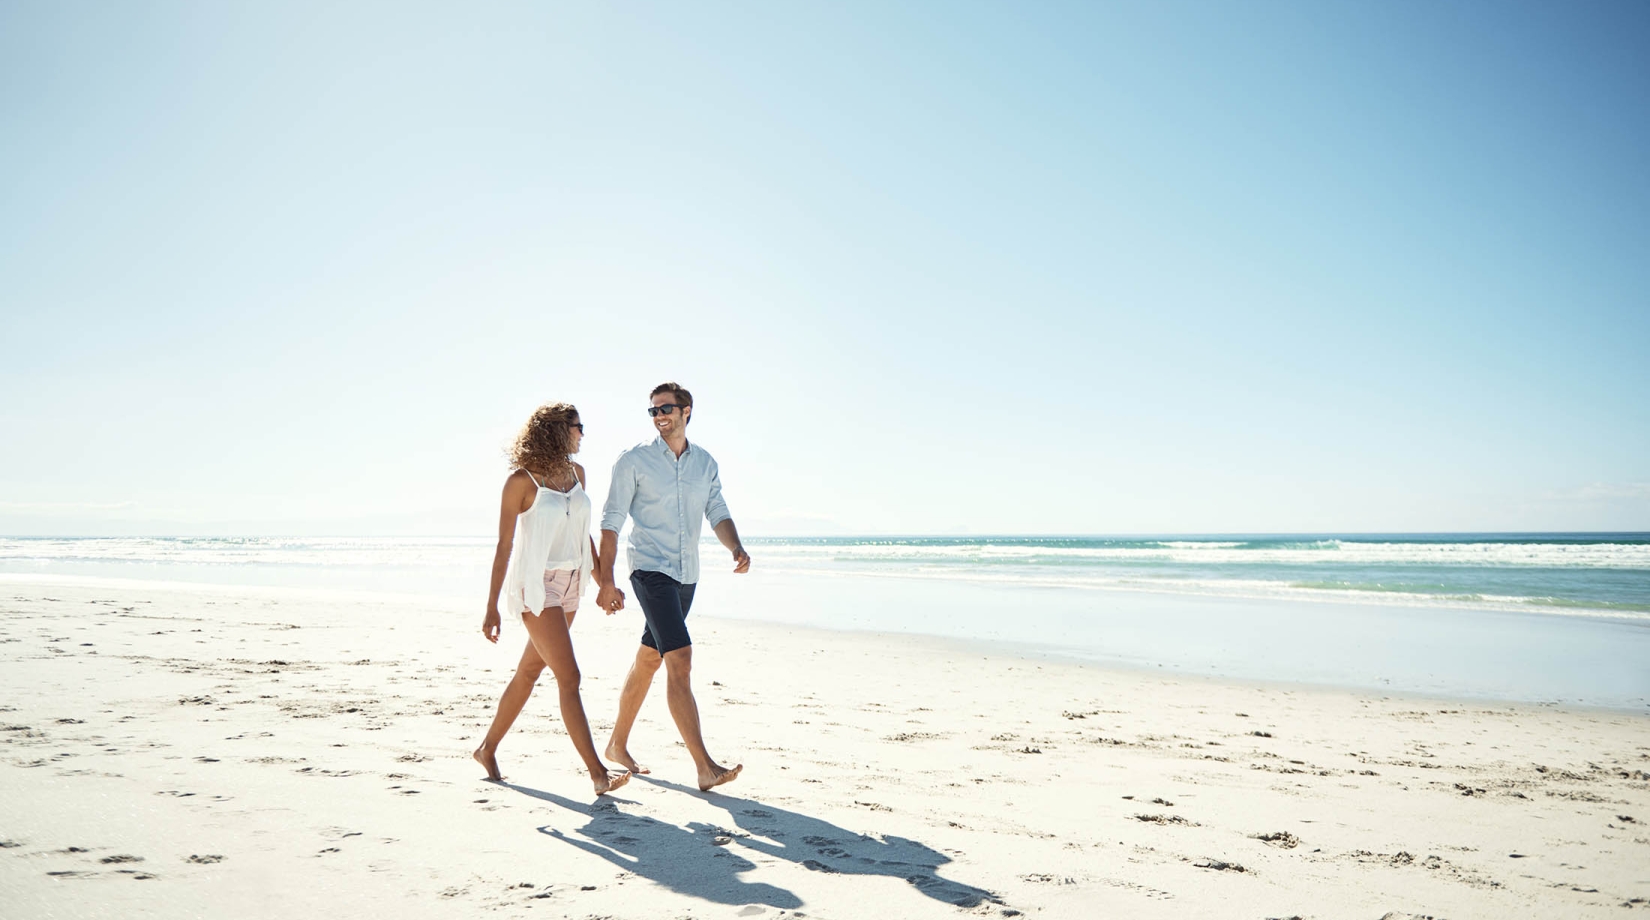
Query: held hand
x=490 y=626
x=741 y=561
x=610 y=599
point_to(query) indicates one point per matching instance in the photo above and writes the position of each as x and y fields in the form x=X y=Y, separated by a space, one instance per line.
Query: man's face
x=672 y=424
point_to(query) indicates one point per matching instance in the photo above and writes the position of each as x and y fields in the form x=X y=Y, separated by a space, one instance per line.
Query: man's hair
x=677 y=392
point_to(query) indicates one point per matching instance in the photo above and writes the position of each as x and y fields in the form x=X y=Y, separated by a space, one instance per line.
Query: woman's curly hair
x=542 y=446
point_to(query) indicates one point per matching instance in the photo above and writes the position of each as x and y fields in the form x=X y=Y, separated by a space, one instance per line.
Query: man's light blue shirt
x=667 y=499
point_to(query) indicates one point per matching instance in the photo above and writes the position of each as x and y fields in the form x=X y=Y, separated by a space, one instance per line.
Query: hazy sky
x=928 y=268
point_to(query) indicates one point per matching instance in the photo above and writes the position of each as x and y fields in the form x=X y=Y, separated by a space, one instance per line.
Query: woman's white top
x=552 y=535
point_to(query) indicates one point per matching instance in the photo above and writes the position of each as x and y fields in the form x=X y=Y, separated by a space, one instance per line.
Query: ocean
x=1553 y=617
x=1590 y=574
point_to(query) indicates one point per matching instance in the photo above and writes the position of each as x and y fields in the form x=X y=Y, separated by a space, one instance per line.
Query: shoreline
x=1011 y=647
x=1284 y=593
x=1588 y=575
x=1280 y=592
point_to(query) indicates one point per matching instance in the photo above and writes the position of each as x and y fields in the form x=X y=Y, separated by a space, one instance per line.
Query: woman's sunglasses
x=578 y=425
x=666 y=409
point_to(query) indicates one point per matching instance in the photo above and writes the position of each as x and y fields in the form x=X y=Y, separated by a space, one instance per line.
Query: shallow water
x=1453 y=652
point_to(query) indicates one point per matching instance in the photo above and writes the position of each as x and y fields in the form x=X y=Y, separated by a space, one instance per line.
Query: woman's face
x=575 y=434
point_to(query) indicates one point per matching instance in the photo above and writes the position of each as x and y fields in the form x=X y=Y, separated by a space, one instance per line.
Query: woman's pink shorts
x=561 y=589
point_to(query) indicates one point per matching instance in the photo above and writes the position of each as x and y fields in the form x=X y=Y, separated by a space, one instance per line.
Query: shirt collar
x=659 y=442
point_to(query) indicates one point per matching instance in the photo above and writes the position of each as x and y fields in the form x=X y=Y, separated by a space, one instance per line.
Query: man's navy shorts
x=665 y=602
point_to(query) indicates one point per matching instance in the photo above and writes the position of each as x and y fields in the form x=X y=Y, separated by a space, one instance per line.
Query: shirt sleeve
x=716 y=510
x=620 y=491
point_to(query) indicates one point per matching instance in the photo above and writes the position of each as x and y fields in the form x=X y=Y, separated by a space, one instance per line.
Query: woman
x=544 y=560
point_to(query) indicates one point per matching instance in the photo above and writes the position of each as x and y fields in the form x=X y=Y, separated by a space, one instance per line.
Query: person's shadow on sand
x=686 y=860
x=699 y=859
x=821 y=846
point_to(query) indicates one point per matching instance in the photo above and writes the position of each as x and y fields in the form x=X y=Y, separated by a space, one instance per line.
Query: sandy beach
x=192 y=751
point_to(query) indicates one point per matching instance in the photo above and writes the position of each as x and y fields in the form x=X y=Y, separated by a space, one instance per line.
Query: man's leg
x=685 y=710
x=636 y=684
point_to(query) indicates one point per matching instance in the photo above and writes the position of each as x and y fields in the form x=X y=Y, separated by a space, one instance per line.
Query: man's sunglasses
x=666 y=409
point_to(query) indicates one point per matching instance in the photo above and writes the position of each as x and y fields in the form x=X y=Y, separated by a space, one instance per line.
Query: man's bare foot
x=622 y=757
x=610 y=782
x=485 y=757
x=719 y=775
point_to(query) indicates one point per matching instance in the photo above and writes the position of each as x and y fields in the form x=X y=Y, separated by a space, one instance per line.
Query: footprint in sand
x=205 y=860
x=1165 y=819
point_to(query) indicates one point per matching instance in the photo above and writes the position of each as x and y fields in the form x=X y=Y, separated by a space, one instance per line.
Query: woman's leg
x=509 y=706
x=555 y=646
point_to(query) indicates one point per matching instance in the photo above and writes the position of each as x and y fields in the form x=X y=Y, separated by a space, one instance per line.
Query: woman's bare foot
x=484 y=756
x=610 y=781
x=622 y=757
x=718 y=775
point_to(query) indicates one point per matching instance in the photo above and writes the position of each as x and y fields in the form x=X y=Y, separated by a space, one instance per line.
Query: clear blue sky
x=928 y=268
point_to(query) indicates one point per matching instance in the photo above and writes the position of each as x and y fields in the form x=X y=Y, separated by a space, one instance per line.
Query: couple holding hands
x=545 y=556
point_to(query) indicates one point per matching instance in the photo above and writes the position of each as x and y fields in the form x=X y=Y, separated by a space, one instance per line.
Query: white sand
x=236 y=752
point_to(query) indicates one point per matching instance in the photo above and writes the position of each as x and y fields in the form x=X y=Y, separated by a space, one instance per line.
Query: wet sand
x=200 y=751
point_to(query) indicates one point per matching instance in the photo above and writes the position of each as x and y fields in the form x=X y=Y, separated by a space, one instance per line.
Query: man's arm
x=608 y=595
x=605 y=559
x=620 y=491
x=716 y=511
x=729 y=535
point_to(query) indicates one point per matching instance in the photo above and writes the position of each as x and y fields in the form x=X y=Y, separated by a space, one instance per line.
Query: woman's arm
x=510 y=508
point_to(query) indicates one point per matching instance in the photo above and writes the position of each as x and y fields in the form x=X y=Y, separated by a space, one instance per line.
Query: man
x=667 y=487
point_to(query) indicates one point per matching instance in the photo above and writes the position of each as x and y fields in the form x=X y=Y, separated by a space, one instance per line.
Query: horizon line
x=1136 y=535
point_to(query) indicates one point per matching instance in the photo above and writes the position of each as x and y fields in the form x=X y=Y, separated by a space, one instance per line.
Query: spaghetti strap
x=530 y=476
